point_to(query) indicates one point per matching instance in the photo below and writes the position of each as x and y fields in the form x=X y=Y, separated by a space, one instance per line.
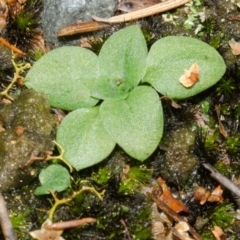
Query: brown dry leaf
x=43 y=234
x=1 y=128
x=175 y=204
x=190 y=76
x=222 y=129
x=161 y=225
x=201 y=194
x=10 y=1
x=235 y=46
x=200 y=121
x=3 y=14
x=217 y=232
x=22 y=1
x=173 y=103
x=85 y=43
x=183 y=228
x=134 y=5
x=157 y=228
x=14 y=7
x=216 y=195
x=39 y=43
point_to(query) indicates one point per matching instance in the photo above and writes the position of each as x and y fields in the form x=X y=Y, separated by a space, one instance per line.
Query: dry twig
x=149 y=11
x=69 y=224
x=102 y=23
x=126 y=229
x=16 y=50
x=5 y=222
x=82 y=28
x=223 y=180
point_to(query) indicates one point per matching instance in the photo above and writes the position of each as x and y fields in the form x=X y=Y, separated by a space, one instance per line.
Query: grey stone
x=62 y=13
x=31 y=112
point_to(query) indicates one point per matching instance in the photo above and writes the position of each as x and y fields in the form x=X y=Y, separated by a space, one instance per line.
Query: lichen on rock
x=179 y=160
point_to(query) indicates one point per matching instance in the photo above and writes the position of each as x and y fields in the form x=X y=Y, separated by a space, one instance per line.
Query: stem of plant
x=60 y=156
x=18 y=69
x=67 y=200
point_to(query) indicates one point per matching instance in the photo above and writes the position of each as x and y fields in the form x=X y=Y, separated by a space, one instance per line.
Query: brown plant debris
x=190 y=76
x=235 y=46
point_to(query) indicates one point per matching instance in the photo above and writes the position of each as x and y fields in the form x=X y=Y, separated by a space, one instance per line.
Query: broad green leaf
x=168 y=58
x=65 y=75
x=55 y=178
x=135 y=123
x=122 y=64
x=83 y=137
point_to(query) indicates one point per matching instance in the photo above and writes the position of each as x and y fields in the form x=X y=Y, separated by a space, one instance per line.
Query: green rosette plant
x=113 y=97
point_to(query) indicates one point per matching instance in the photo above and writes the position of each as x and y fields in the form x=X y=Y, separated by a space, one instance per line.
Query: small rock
x=179 y=160
x=62 y=13
x=29 y=128
x=5 y=57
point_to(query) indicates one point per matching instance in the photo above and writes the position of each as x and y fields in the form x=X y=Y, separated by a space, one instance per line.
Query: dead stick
x=167 y=210
x=12 y=47
x=5 y=222
x=69 y=224
x=102 y=22
x=223 y=180
x=82 y=28
x=145 y=12
x=126 y=229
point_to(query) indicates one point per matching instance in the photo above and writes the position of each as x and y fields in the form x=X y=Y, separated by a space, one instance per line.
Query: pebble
x=62 y=13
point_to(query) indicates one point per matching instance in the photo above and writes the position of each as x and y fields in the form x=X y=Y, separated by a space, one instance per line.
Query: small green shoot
x=205 y=106
x=59 y=202
x=102 y=176
x=25 y=20
x=124 y=80
x=233 y=144
x=20 y=221
x=60 y=156
x=211 y=140
x=54 y=178
x=224 y=216
x=19 y=68
x=225 y=87
x=133 y=179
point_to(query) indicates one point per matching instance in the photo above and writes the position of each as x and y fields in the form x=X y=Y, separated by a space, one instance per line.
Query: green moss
x=36 y=54
x=233 y=144
x=25 y=20
x=23 y=28
x=205 y=105
x=223 y=215
x=215 y=41
x=223 y=168
x=207 y=235
x=225 y=87
x=20 y=221
x=102 y=176
x=134 y=179
x=210 y=138
x=237 y=111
